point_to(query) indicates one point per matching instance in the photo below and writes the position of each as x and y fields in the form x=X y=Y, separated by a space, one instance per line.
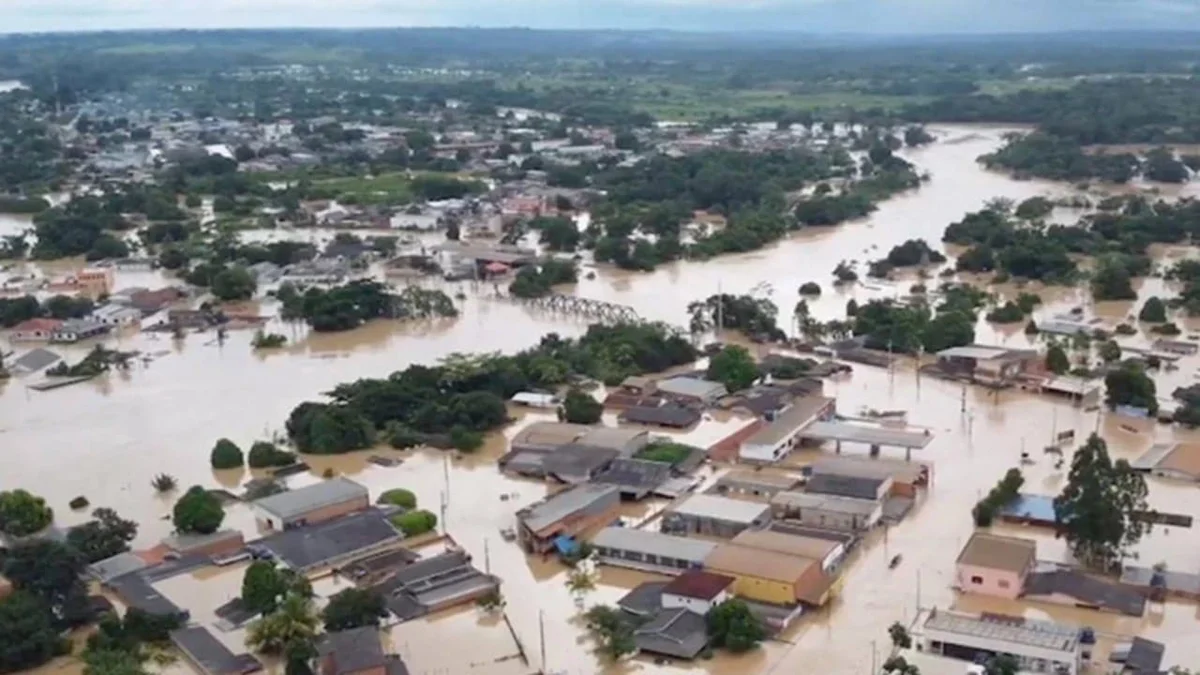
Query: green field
x=386 y=188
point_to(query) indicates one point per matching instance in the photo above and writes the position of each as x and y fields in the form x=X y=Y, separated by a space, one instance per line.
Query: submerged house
x=569 y=513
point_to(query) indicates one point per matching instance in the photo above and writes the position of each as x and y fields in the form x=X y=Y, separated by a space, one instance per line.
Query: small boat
x=895 y=561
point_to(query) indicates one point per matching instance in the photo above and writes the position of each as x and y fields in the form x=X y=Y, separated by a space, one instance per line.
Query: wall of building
x=726 y=449
x=697 y=605
x=835 y=520
x=329 y=512
x=710 y=527
x=1031 y=658
x=988 y=581
x=762 y=590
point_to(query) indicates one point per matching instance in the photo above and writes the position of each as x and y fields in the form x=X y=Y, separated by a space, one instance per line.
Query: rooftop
x=653 y=543
x=563 y=504
x=635 y=474
x=663 y=415
x=33 y=361
x=782 y=542
x=133 y=590
x=353 y=650
x=859 y=487
x=212 y=656
x=720 y=508
x=1015 y=630
x=550 y=434
x=1086 y=590
x=293 y=503
x=900 y=470
x=1140 y=656
x=611 y=437
x=314 y=545
x=698 y=585
x=802 y=412
x=119 y=565
x=693 y=387
x=674 y=632
x=978 y=352
x=831 y=503
x=993 y=551
x=1184 y=458
x=574 y=460
x=861 y=433
x=775 y=481
x=755 y=562
x=183 y=543
x=645 y=599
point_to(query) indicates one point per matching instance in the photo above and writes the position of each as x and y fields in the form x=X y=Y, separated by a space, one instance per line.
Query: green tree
x=226 y=455
x=198 y=512
x=264 y=454
x=899 y=635
x=580 y=407
x=613 y=631
x=106 y=535
x=405 y=499
x=23 y=513
x=1154 y=311
x=1110 y=351
x=353 y=608
x=52 y=571
x=731 y=625
x=1112 y=280
x=733 y=367
x=1128 y=384
x=263 y=586
x=1098 y=509
x=1002 y=664
x=413 y=523
x=1057 y=360
x=30 y=637
x=289 y=631
x=233 y=283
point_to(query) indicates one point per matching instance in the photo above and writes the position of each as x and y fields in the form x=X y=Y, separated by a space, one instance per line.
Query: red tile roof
x=34 y=325
x=699 y=585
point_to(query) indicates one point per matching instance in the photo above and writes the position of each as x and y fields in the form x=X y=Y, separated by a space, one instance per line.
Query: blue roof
x=565 y=545
x=1034 y=508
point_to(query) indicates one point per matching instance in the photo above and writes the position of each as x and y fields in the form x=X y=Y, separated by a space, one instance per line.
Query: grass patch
x=665 y=452
x=144 y=49
x=385 y=189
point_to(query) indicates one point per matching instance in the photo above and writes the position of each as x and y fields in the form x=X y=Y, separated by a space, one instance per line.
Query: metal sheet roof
x=654 y=543
x=855 y=433
x=292 y=503
x=721 y=508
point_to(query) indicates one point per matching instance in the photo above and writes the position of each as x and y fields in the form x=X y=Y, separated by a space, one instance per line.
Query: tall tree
x=262 y=587
x=291 y=628
x=734 y=367
x=1097 y=510
x=106 y=535
x=353 y=608
x=30 y=637
x=731 y=625
x=23 y=513
x=198 y=512
x=50 y=570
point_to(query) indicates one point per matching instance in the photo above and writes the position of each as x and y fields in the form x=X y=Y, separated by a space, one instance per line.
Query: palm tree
x=164 y=483
x=290 y=629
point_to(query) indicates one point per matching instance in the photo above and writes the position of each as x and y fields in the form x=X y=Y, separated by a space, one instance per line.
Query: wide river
x=108 y=438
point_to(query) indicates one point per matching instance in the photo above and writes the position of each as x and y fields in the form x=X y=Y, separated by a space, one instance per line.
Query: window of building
x=977 y=580
x=1003 y=583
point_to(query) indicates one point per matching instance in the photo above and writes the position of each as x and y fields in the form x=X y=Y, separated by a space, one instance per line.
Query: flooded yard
x=107 y=438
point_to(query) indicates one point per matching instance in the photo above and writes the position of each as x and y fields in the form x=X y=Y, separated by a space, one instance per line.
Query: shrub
x=413 y=523
x=226 y=455
x=810 y=288
x=405 y=499
x=1166 y=329
x=264 y=454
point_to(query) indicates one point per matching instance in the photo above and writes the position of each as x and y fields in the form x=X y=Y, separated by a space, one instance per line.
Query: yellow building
x=770 y=576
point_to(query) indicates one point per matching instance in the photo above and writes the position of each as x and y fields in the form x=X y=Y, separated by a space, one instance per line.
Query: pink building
x=993 y=565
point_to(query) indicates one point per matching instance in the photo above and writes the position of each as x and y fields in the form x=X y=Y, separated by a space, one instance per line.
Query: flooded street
x=107 y=438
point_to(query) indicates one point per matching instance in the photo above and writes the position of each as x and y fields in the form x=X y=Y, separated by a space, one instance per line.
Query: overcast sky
x=816 y=16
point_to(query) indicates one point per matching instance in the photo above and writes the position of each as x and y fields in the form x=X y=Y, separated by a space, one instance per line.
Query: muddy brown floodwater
x=105 y=439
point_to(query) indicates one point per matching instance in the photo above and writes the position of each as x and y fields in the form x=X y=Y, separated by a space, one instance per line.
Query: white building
x=1038 y=646
x=774 y=441
x=116 y=315
x=697 y=591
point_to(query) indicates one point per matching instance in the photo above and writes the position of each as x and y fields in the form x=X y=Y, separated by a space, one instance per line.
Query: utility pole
x=487 y=558
x=542 y=635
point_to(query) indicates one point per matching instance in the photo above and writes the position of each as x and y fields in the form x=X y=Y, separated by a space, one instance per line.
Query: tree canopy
x=104 y=536
x=226 y=455
x=1098 y=508
x=733 y=626
x=580 y=407
x=198 y=512
x=353 y=608
x=733 y=367
x=23 y=513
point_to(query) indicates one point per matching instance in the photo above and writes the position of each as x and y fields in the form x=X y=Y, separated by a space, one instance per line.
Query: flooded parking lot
x=106 y=439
